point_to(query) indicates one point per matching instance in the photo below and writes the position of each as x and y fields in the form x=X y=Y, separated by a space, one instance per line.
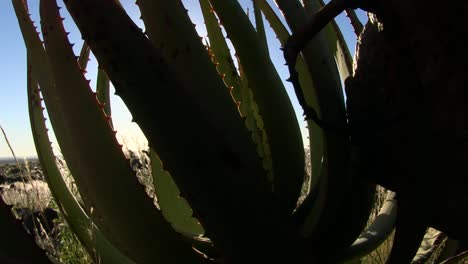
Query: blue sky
x=13 y=105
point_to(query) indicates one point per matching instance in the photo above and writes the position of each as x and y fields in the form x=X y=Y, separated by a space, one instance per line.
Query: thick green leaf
x=238 y=84
x=255 y=124
x=259 y=24
x=275 y=108
x=325 y=73
x=102 y=84
x=174 y=208
x=308 y=7
x=172 y=40
x=267 y=159
x=305 y=79
x=170 y=29
x=337 y=43
x=377 y=232
x=83 y=59
x=212 y=161
x=99 y=160
x=355 y=22
x=98 y=247
x=347 y=201
x=221 y=55
x=103 y=92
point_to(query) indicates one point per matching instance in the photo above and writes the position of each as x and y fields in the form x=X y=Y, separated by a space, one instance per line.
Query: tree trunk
x=407 y=108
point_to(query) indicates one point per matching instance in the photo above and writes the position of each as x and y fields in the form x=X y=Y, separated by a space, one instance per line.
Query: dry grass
x=34 y=195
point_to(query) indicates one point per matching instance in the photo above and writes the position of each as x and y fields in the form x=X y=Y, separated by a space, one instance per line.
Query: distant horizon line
x=20 y=159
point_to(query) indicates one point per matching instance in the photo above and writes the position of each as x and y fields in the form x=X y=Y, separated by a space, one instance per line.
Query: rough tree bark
x=408 y=112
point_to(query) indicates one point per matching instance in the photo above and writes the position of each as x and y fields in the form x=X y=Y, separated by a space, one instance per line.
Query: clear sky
x=13 y=105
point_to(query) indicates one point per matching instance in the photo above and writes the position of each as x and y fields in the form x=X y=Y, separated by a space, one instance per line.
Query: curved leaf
x=103 y=93
x=83 y=59
x=376 y=233
x=315 y=132
x=237 y=83
x=174 y=208
x=97 y=162
x=259 y=24
x=98 y=247
x=347 y=200
x=355 y=22
x=275 y=108
x=337 y=43
x=212 y=161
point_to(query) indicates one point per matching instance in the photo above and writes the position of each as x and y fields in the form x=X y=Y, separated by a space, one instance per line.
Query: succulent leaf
x=377 y=232
x=240 y=87
x=98 y=247
x=174 y=207
x=259 y=26
x=215 y=166
x=315 y=132
x=221 y=54
x=338 y=46
x=347 y=200
x=83 y=59
x=255 y=124
x=275 y=108
x=100 y=159
x=103 y=93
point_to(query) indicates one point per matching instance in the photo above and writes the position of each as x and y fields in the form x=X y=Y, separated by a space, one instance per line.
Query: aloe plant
x=226 y=149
